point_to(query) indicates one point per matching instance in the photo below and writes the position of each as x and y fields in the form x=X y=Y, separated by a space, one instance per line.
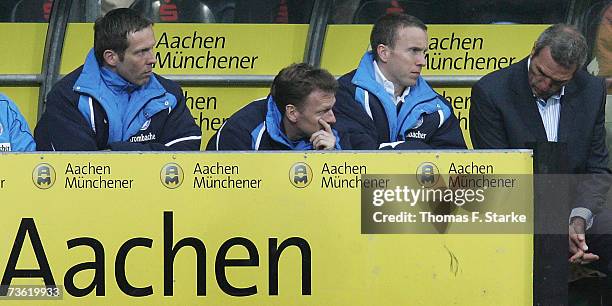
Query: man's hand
x=325 y=138
x=577 y=243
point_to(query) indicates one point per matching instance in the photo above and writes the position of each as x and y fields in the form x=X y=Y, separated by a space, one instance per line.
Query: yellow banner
x=22 y=47
x=207 y=48
x=453 y=49
x=241 y=229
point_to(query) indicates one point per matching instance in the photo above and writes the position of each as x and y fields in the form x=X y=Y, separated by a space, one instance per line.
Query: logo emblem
x=418 y=123
x=427 y=174
x=43 y=176
x=146 y=125
x=171 y=175
x=300 y=175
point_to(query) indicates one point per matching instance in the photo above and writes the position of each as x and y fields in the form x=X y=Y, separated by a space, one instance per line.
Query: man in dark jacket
x=114 y=101
x=549 y=97
x=385 y=103
x=297 y=115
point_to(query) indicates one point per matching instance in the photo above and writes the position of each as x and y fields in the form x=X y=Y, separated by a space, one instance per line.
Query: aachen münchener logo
x=300 y=175
x=171 y=175
x=427 y=174
x=43 y=176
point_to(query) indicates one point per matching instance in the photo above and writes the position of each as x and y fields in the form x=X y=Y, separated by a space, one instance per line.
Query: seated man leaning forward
x=297 y=115
x=15 y=133
x=114 y=101
x=385 y=103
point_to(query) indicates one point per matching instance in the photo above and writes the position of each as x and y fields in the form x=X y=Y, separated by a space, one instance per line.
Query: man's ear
x=291 y=113
x=111 y=58
x=383 y=52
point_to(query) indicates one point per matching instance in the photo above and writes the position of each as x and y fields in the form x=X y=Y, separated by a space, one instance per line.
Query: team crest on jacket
x=146 y=125
x=418 y=123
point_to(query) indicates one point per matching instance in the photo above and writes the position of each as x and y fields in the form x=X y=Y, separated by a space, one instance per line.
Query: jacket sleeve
x=19 y=132
x=180 y=133
x=486 y=122
x=449 y=135
x=63 y=128
x=232 y=136
x=593 y=188
x=355 y=133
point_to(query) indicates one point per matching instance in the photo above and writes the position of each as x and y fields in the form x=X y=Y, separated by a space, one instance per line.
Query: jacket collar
x=420 y=93
x=110 y=92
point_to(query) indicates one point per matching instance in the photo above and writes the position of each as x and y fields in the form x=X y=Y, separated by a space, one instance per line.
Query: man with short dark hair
x=385 y=103
x=549 y=97
x=115 y=101
x=296 y=115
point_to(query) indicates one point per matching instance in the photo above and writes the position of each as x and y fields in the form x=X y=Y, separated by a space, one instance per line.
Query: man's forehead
x=410 y=34
x=547 y=65
x=322 y=98
x=143 y=36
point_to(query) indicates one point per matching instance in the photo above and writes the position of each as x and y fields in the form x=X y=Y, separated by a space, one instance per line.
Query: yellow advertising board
x=22 y=53
x=452 y=49
x=262 y=49
x=22 y=47
x=241 y=229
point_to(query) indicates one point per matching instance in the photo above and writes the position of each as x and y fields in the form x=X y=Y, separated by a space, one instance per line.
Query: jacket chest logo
x=416 y=134
x=418 y=123
x=146 y=125
x=142 y=138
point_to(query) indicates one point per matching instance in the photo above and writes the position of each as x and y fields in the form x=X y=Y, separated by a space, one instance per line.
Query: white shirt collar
x=555 y=96
x=388 y=85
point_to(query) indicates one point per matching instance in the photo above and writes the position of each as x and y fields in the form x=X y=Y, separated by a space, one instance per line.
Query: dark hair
x=294 y=83
x=111 y=31
x=567 y=46
x=386 y=27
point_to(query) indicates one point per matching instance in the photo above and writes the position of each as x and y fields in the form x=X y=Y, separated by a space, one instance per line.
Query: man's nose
x=330 y=117
x=420 y=60
x=546 y=83
x=151 y=58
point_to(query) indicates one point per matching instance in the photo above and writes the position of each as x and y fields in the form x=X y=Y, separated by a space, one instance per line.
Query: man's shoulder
x=588 y=82
x=170 y=85
x=346 y=90
x=347 y=78
x=251 y=115
x=63 y=89
x=501 y=76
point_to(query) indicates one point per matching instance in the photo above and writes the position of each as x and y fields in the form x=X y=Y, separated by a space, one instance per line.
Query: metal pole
x=20 y=79
x=54 y=44
x=316 y=32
